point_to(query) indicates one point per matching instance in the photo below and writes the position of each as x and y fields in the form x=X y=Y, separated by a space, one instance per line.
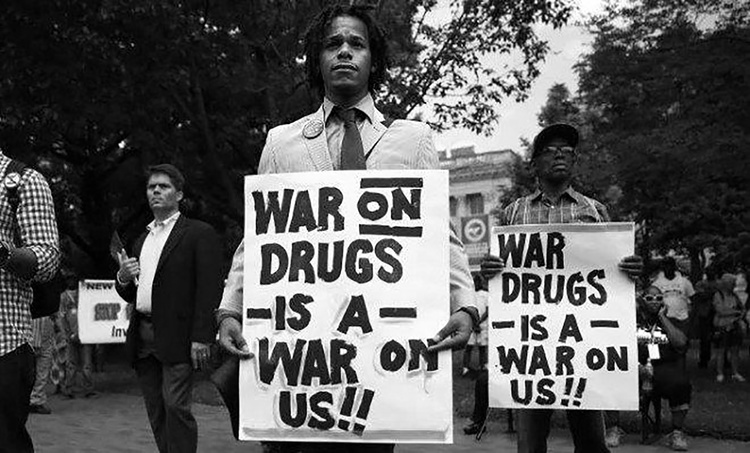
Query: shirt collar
x=570 y=193
x=171 y=219
x=366 y=105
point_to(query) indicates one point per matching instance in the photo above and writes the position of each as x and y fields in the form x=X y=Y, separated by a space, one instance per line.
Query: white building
x=477 y=182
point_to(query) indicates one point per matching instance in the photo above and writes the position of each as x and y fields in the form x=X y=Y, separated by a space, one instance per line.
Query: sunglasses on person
x=564 y=150
x=652 y=298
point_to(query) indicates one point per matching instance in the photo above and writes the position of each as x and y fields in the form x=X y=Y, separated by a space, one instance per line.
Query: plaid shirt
x=36 y=229
x=537 y=208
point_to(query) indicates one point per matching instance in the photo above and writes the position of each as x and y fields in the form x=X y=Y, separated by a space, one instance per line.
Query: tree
x=94 y=91
x=591 y=173
x=447 y=62
x=670 y=80
x=559 y=108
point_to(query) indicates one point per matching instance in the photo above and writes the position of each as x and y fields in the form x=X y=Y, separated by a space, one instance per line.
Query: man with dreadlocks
x=346 y=58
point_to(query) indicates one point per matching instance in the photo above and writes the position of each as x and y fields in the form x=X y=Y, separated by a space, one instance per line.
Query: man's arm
x=229 y=314
x=464 y=314
x=39 y=256
x=461 y=283
x=267 y=162
x=231 y=299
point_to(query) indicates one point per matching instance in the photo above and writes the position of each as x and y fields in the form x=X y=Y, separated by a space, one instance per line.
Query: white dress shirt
x=158 y=232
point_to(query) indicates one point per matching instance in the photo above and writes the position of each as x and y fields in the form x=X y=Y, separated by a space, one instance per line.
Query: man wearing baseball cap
x=555 y=201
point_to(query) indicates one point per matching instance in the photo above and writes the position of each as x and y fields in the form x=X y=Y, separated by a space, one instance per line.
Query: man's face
x=554 y=161
x=345 y=61
x=162 y=194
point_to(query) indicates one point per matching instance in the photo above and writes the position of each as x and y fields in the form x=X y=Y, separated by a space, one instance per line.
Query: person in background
x=43 y=333
x=79 y=356
x=729 y=327
x=481 y=396
x=466 y=367
x=676 y=288
x=59 y=358
x=740 y=289
x=740 y=286
x=662 y=347
x=173 y=279
x=702 y=318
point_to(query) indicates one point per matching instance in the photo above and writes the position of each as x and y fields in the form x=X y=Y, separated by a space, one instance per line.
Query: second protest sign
x=346 y=280
x=562 y=318
x=102 y=315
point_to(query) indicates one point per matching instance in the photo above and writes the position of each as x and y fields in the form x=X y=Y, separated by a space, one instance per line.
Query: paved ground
x=117 y=422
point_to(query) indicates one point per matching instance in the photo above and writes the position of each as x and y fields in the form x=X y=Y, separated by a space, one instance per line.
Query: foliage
x=669 y=81
x=94 y=91
x=458 y=64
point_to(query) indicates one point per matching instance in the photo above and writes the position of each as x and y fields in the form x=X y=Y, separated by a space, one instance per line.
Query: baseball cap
x=559 y=130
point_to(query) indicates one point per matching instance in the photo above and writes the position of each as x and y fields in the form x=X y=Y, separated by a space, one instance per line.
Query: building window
x=454 y=206
x=475 y=201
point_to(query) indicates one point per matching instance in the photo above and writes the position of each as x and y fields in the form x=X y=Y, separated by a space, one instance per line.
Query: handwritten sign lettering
x=344 y=288
x=562 y=318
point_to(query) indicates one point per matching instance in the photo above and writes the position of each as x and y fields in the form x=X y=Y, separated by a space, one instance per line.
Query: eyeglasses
x=650 y=298
x=564 y=150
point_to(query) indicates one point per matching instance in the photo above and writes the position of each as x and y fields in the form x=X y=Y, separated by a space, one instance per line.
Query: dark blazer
x=187 y=288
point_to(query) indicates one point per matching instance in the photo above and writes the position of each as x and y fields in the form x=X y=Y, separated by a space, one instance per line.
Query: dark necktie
x=352 y=152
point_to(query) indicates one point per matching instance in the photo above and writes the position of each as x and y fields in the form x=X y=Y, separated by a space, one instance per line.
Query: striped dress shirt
x=537 y=208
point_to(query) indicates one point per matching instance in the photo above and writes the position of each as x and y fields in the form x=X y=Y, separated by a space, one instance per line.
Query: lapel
x=180 y=227
x=372 y=132
x=317 y=146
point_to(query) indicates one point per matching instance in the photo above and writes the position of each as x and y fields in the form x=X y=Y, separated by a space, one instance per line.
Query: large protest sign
x=103 y=316
x=346 y=279
x=562 y=318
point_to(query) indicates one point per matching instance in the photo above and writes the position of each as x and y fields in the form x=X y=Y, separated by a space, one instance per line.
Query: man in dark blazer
x=174 y=279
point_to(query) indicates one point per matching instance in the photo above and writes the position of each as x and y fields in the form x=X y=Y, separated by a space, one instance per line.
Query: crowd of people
x=172 y=273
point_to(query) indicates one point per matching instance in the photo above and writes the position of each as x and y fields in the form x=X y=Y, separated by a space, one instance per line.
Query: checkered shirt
x=537 y=208
x=37 y=230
